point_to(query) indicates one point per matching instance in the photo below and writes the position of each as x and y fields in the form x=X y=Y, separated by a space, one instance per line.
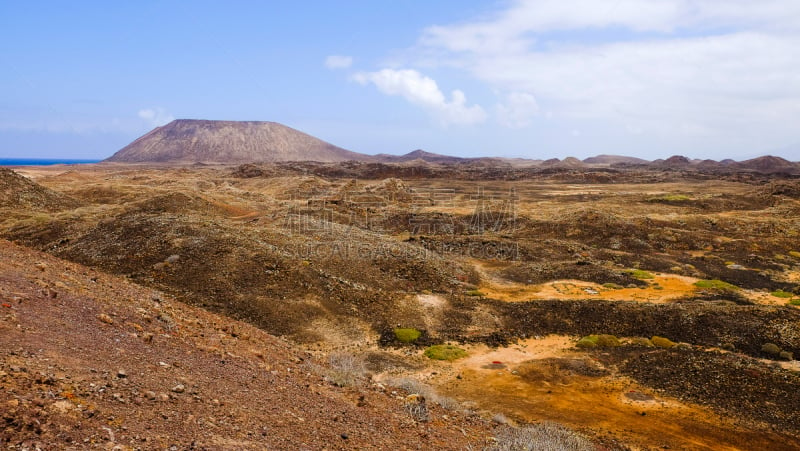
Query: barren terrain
x=514 y=266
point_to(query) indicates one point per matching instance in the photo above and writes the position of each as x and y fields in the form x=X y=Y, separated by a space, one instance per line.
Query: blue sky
x=529 y=78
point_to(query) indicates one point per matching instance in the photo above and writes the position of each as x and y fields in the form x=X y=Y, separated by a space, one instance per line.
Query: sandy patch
x=662 y=288
x=431 y=300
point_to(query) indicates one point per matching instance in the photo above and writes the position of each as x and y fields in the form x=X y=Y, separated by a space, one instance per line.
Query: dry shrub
x=345 y=370
x=417 y=408
x=541 y=437
x=415 y=387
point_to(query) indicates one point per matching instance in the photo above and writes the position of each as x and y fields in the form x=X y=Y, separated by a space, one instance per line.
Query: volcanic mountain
x=230 y=142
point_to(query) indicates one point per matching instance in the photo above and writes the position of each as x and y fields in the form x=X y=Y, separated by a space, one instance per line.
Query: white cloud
x=424 y=92
x=155 y=117
x=517 y=110
x=537 y=16
x=724 y=70
x=338 y=62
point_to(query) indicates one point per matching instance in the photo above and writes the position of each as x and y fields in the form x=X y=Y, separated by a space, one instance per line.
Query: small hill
x=572 y=162
x=613 y=159
x=420 y=155
x=17 y=191
x=229 y=142
x=768 y=164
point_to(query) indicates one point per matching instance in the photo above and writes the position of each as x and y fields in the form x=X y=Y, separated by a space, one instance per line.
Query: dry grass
x=541 y=437
x=345 y=370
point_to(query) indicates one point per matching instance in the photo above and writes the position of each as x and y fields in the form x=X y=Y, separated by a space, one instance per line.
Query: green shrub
x=794 y=302
x=608 y=341
x=794 y=254
x=407 y=335
x=641 y=341
x=661 y=342
x=786 y=355
x=640 y=274
x=613 y=286
x=476 y=293
x=445 y=352
x=598 y=341
x=715 y=284
x=771 y=349
x=587 y=342
x=782 y=294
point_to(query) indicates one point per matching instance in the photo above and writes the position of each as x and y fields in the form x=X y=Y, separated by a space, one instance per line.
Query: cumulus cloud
x=716 y=68
x=424 y=92
x=338 y=62
x=155 y=117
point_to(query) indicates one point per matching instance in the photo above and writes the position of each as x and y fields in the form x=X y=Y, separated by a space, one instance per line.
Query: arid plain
x=643 y=307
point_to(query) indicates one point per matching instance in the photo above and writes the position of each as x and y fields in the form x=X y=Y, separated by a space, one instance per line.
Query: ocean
x=42 y=161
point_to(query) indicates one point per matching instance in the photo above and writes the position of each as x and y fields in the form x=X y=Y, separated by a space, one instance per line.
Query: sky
x=514 y=78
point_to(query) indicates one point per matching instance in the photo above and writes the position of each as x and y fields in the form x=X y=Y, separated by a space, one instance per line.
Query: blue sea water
x=41 y=161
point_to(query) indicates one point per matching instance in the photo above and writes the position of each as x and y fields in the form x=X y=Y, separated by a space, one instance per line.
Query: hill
x=613 y=159
x=17 y=191
x=420 y=155
x=769 y=164
x=99 y=360
x=229 y=142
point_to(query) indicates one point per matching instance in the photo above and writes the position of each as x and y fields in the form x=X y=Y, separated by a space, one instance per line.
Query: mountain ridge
x=198 y=141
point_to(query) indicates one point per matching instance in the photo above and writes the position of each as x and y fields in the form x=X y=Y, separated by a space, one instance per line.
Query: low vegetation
x=641 y=341
x=541 y=437
x=771 y=349
x=407 y=335
x=417 y=407
x=345 y=370
x=782 y=294
x=715 y=284
x=445 y=352
x=668 y=198
x=598 y=341
x=775 y=352
x=415 y=387
x=662 y=342
x=641 y=274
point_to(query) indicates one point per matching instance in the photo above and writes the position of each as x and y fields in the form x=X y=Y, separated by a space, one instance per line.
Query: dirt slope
x=93 y=361
x=19 y=192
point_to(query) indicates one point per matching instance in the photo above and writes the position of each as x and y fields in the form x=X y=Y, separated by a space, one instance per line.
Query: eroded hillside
x=339 y=257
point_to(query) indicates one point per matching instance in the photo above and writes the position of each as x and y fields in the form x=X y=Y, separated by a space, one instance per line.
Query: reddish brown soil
x=93 y=361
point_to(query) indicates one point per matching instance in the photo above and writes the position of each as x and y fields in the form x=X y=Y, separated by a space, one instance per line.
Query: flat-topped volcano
x=234 y=142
